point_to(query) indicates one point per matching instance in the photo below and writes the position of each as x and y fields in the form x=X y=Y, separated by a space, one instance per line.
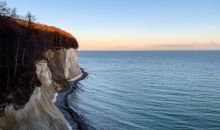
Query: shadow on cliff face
x=22 y=43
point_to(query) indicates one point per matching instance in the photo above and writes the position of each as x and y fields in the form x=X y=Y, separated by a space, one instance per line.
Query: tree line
x=12 y=13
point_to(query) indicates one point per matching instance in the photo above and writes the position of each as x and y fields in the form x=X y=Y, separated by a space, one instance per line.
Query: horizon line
x=156 y=50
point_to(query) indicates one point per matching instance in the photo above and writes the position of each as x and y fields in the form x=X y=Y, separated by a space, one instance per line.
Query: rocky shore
x=75 y=121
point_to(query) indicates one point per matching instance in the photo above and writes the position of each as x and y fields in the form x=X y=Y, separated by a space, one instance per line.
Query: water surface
x=144 y=90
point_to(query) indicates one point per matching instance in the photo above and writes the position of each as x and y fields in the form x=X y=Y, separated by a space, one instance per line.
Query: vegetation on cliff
x=22 y=43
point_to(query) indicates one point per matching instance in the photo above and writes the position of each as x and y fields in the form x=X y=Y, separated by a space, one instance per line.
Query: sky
x=132 y=24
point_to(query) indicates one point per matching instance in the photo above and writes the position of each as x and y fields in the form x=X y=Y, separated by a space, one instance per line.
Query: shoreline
x=75 y=121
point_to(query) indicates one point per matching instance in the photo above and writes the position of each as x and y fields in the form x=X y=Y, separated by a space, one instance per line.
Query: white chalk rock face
x=64 y=63
x=40 y=113
x=71 y=66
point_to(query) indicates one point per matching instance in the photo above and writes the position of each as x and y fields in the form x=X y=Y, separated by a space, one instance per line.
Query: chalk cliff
x=36 y=62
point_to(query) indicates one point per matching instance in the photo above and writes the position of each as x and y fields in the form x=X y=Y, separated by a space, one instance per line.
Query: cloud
x=193 y=45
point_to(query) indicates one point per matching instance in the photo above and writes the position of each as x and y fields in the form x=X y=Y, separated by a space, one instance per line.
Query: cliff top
x=46 y=28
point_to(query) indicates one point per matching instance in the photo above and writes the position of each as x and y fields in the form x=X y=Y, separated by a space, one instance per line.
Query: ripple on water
x=150 y=90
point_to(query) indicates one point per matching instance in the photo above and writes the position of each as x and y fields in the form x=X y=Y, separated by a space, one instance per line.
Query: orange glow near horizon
x=148 y=43
x=110 y=40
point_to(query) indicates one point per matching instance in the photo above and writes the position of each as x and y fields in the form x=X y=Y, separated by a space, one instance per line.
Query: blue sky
x=132 y=24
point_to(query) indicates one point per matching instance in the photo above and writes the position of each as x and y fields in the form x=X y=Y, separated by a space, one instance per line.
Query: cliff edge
x=36 y=61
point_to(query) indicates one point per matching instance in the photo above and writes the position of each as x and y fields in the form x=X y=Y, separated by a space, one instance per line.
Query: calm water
x=150 y=90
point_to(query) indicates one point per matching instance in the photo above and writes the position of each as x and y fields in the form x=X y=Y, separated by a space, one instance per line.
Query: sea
x=149 y=90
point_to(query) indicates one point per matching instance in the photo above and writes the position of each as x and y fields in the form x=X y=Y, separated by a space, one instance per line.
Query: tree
x=13 y=12
x=4 y=10
x=30 y=18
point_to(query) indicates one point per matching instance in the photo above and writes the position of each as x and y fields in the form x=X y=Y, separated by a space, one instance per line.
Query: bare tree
x=4 y=10
x=30 y=18
x=13 y=12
